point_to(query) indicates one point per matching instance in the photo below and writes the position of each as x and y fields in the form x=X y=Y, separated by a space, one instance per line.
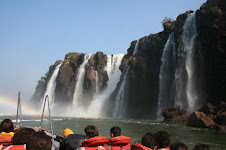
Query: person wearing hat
x=71 y=141
x=67 y=132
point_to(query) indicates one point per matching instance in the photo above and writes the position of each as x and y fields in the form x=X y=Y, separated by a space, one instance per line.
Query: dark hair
x=201 y=147
x=6 y=126
x=162 y=139
x=116 y=131
x=91 y=131
x=148 y=140
x=22 y=135
x=178 y=146
x=39 y=141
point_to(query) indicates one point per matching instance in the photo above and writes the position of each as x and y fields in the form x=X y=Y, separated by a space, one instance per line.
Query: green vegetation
x=40 y=88
x=210 y=10
x=168 y=24
x=71 y=56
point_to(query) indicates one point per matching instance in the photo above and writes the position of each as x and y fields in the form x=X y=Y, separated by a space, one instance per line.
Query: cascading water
x=185 y=85
x=120 y=102
x=136 y=47
x=78 y=93
x=166 y=75
x=96 y=81
x=112 y=68
x=50 y=88
x=119 y=109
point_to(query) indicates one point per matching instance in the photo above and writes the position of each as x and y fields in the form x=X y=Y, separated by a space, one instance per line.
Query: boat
x=56 y=138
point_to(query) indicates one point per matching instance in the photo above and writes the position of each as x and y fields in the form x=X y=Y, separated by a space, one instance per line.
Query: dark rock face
x=211 y=24
x=199 y=119
x=66 y=80
x=68 y=72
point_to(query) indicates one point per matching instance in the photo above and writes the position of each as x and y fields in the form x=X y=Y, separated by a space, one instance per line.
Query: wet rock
x=175 y=115
x=200 y=120
x=221 y=119
x=208 y=109
x=217 y=127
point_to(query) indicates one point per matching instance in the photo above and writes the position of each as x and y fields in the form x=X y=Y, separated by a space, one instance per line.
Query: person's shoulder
x=74 y=137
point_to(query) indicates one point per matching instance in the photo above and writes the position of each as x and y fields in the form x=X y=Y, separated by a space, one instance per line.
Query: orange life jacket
x=6 y=139
x=120 y=142
x=93 y=143
x=166 y=148
x=140 y=147
x=15 y=147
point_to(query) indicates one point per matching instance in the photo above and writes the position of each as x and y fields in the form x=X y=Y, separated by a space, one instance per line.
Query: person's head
x=91 y=131
x=22 y=135
x=67 y=132
x=178 y=146
x=115 y=131
x=148 y=140
x=39 y=141
x=201 y=147
x=6 y=126
x=162 y=139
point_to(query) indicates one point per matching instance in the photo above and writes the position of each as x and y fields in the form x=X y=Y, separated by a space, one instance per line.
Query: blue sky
x=36 y=33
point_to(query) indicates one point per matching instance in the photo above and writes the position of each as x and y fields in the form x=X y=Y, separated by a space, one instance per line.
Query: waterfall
x=119 y=109
x=186 y=95
x=120 y=101
x=166 y=74
x=50 y=88
x=112 y=68
x=96 y=81
x=78 y=93
x=189 y=36
x=136 y=47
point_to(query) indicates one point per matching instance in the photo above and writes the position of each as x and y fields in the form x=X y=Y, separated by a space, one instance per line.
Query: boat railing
x=50 y=119
x=18 y=114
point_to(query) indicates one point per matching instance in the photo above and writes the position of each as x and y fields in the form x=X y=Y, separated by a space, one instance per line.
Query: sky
x=36 y=33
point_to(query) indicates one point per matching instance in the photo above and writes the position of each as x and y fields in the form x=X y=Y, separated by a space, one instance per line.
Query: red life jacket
x=120 y=142
x=140 y=147
x=15 y=147
x=6 y=139
x=93 y=143
x=166 y=148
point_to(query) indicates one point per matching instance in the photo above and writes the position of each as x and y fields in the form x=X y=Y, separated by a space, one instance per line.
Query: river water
x=132 y=128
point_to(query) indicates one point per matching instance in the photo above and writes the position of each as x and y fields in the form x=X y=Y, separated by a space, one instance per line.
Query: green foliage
x=210 y=10
x=40 y=88
x=168 y=23
x=71 y=56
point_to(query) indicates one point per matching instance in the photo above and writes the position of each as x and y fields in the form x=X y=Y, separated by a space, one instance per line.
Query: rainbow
x=12 y=103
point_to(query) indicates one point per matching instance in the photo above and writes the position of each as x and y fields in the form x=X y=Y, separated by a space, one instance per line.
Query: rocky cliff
x=141 y=91
x=66 y=80
x=210 y=62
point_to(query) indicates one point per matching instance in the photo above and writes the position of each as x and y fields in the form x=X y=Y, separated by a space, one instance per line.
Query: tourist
x=201 y=147
x=6 y=127
x=39 y=141
x=6 y=132
x=162 y=139
x=92 y=140
x=148 y=142
x=91 y=131
x=20 y=138
x=178 y=146
x=118 y=141
x=67 y=132
x=72 y=141
x=115 y=131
